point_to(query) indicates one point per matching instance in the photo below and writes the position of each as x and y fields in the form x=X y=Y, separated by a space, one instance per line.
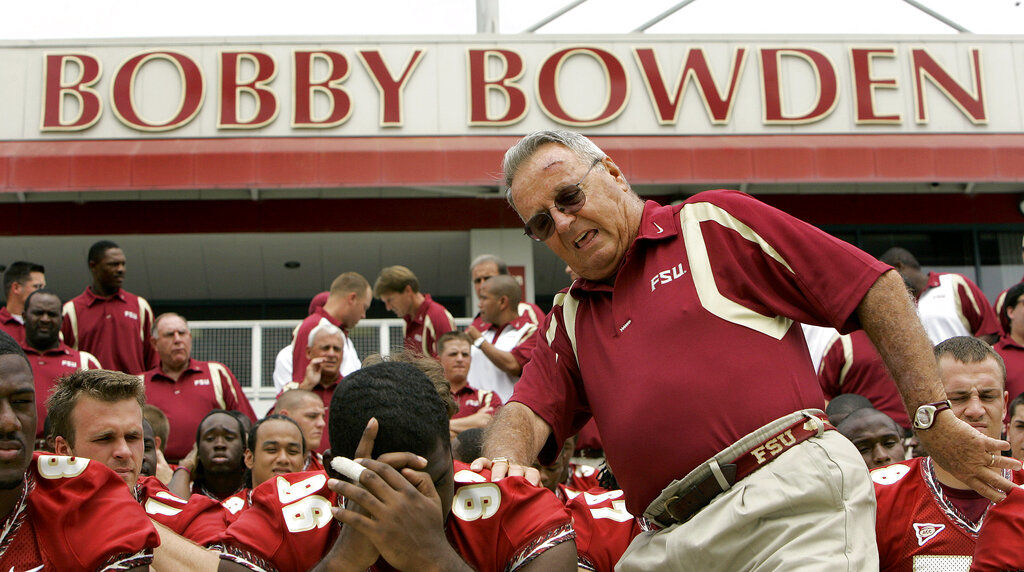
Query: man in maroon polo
x=324 y=349
x=425 y=319
x=488 y=266
x=501 y=351
x=49 y=357
x=20 y=279
x=347 y=302
x=108 y=321
x=186 y=389
x=476 y=406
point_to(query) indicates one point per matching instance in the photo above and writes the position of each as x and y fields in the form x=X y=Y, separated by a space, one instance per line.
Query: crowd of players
x=102 y=384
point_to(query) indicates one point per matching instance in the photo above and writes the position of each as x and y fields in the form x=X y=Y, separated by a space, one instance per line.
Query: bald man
x=501 y=351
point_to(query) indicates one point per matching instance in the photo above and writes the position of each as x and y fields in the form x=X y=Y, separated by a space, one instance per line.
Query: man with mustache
x=50 y=358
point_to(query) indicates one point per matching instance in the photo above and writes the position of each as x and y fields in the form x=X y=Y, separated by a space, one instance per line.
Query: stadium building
x=242 y=175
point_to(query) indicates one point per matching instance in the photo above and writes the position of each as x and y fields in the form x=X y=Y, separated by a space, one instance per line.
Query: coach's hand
x=501 y=467
x=971 y=457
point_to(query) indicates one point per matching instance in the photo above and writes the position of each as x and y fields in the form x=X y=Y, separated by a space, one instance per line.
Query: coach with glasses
x=682 y=341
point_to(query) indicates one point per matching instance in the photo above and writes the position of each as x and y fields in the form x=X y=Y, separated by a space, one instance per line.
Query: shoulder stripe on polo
x=88 y=361
x=828 y=348
x=525 y=332
x=691 y=216
x=960 y=284
x=72 y=316
x=527 y=310
x=847 y=358
x=220 y=372
x=428 y=334
x=569 y=307
x=145 y=316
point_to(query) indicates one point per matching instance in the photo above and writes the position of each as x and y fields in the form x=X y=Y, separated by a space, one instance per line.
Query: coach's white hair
x=324 y=327
x=584 y=148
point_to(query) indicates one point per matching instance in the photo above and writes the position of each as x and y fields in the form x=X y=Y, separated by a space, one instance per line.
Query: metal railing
x=249 y=348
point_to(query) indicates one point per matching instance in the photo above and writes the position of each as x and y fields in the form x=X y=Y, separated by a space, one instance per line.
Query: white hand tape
x=348 y=467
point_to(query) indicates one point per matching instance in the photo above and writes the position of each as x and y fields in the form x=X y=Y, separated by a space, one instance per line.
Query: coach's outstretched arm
x=516 y=434
x=890 y=320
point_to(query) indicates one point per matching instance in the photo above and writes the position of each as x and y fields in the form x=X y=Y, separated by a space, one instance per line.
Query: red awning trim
x=267 y=163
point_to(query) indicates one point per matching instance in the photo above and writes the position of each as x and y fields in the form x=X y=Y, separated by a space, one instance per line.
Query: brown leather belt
x=683 y=506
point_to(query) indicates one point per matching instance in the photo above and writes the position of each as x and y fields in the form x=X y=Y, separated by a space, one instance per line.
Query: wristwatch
x=478 y=342
x=925 y=416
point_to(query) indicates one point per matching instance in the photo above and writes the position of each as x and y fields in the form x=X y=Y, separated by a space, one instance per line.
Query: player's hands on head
x=973 y=458
x=352 y=550
x=399 y=512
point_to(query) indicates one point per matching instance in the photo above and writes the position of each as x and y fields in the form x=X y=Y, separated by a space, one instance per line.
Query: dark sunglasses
x=569 y=200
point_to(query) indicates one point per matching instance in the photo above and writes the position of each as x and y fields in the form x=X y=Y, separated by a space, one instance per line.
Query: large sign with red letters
x=618 y=85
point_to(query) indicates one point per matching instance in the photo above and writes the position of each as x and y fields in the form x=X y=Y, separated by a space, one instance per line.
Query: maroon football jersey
x=493 y=526
x=76 y=515
x=603 y=528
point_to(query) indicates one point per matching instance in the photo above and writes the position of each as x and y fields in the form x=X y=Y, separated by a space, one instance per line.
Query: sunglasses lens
x=570 y=200
x=540 y=227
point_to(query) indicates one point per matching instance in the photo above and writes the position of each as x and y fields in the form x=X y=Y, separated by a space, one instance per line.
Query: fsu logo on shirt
x=926 y=531
x=132 y=315
x=201 y=382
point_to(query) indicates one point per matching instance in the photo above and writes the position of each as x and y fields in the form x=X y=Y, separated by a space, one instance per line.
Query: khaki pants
x=812 y=508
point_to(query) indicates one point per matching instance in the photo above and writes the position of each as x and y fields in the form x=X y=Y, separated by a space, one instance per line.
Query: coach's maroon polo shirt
x=688 y=352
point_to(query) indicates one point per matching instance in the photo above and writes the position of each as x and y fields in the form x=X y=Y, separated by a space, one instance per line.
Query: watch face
x=924 y=416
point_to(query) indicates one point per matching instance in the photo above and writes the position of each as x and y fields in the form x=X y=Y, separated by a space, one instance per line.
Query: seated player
x=275 y=447
x=161 y=429
x=560 y=476
x=604 y=528
x=216 y=469
x=876 y=435
x=97 y=415
x=476 y=406
x=307 y=409
x=845 y=404
x=392 y=412
x=148 y=468
x=468 y=445
x=926 y=517
x=60 y=513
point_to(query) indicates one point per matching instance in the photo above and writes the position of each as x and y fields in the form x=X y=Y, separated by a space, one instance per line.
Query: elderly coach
x=681 y=341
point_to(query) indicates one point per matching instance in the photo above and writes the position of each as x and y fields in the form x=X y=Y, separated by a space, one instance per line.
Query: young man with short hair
x=61 y=513
x=108 y=321
x=925 y=514
x=425 y=319
x=20 y=280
